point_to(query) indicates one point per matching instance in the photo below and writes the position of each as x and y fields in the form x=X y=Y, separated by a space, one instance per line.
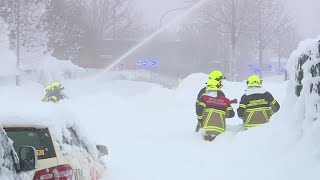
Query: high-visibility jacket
x=54 y=96
x=256 y=107
x=199 y=104
x=215 y=109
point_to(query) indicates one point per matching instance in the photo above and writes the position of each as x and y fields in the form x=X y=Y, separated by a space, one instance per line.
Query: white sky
x=306 y=12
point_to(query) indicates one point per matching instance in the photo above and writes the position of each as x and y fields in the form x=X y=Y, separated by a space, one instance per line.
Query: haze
x=305 y=12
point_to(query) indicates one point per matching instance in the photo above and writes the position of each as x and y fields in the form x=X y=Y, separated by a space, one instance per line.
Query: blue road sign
x=269 y=67
x=257 y=72
x=154 y=63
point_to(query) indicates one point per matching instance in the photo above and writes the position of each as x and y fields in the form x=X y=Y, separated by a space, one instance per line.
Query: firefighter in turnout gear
x=257 y=105
x=54 y=93
x=46 y=97
x=215 y=108
x=215 y=75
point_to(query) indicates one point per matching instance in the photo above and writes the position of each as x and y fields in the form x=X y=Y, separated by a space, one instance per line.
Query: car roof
x=6 y=126
x=9 y=125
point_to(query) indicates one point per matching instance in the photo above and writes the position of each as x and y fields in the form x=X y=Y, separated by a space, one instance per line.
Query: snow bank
x=141 y=75
x=34 y=66
x=304 y=70
x=47 y=69
x=150 y=130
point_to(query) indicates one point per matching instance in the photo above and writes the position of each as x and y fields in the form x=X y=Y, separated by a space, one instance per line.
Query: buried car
x=63 y=153
x=12 y=165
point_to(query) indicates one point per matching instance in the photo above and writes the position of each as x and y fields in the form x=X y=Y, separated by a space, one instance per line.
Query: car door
x=76 y=154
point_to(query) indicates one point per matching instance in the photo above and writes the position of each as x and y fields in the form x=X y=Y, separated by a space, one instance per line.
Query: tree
x=285 y=43
x=231 y=17
x=32 y=35
x=109 y=18
x=271 y=23
x=66 y=28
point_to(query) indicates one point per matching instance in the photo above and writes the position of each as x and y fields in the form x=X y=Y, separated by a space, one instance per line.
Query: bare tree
x=109 y=18
x=66 y=29
x=231 y=17
x=271 y=23
x=32 y=34
x=285 y=43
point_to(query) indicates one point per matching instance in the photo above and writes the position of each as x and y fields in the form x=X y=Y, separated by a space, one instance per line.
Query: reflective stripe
x=202 y=104
x=208 y=117
x=210 y=111
x=215 y=110
x=198 y=101
x=271 y=112
x=274 y=102
x=223 y=125
x=258 y=109
x=242 y=106
x=229 y=108
x=200 y=117
x=252 y=125
x=53 y=98
x=214 y=128
x=249 y=117
x=265 y=115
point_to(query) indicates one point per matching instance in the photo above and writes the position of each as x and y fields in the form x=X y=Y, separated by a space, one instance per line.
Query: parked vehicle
x=64 y=155
x=12 y=165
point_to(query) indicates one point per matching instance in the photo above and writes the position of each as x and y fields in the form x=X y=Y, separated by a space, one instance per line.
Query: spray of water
x=156 y=33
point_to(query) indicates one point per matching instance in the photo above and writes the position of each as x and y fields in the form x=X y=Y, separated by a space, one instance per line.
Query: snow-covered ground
x=149 y=131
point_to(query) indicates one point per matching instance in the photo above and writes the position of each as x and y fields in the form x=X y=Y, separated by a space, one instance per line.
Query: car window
x=40 y=139
x=74 y=139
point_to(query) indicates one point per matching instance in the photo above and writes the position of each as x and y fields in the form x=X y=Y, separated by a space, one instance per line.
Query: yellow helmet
x=213 y=85
x=216 y=75
x=48 y=88
x=254 y=81
x=56 y=85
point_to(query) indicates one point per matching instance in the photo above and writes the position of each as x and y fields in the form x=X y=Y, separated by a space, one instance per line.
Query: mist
x=258 y=39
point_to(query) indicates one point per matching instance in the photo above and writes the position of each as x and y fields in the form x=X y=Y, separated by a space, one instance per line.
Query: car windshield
x=40 y=139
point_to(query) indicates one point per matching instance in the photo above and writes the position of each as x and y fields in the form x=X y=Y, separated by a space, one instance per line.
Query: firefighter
x=257 y=105
x=54 y=93
x=48 y=91
x=215 y=75
x=215 y=108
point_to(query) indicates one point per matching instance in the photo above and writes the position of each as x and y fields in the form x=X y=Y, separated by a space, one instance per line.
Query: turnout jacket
x=215 y=108
x=256 y=107
x=54 y=96
x=199 y=104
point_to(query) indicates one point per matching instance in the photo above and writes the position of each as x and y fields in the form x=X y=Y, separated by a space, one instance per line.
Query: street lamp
x=169 y=11
x=18 y=43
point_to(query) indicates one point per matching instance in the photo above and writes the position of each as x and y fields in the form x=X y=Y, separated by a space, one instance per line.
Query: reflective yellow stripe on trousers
x=214 y=128
x=251 y=125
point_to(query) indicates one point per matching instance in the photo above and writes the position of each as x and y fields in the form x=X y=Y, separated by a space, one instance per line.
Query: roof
x=14 y=125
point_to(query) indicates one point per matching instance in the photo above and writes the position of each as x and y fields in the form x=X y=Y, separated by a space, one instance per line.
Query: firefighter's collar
x=255 y=90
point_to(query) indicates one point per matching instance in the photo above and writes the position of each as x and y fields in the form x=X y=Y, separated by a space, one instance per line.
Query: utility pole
x=233 y=40
x=18 y=43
